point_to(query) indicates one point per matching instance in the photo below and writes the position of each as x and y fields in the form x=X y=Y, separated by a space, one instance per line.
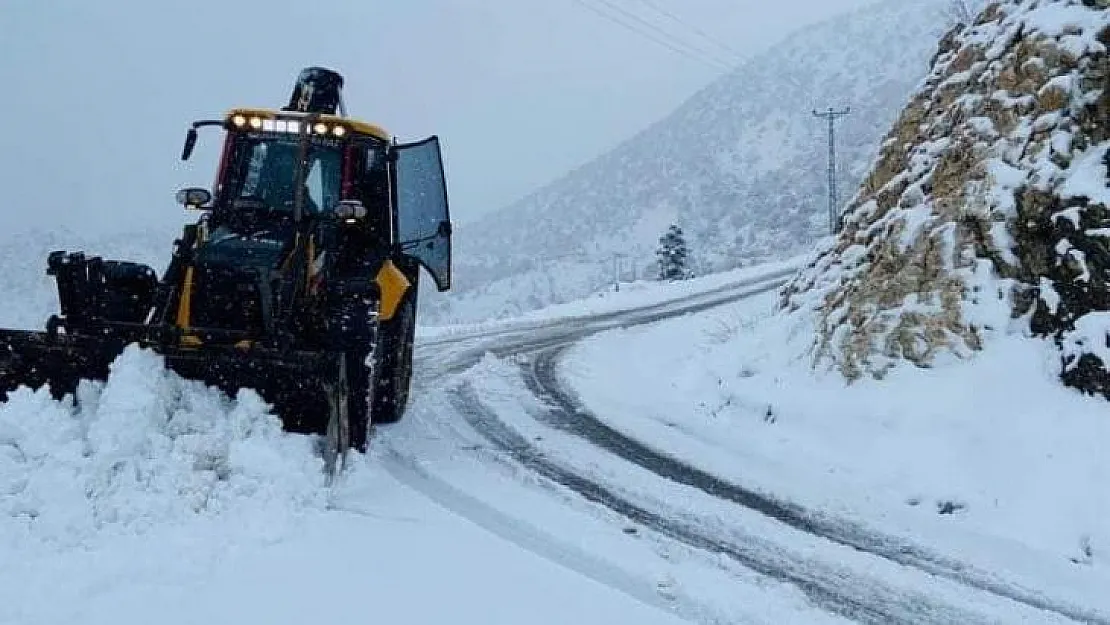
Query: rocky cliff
x=987 y=209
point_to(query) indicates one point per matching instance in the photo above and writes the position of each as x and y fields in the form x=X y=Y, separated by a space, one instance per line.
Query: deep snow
x=161 y=501
x=157 y=498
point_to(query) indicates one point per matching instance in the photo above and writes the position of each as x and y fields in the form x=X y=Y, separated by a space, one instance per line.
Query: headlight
x=350 y=209
x=320 y=128
x=339 y=131
x=239 y=121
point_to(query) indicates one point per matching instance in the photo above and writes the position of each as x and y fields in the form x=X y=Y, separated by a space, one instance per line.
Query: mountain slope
x=987 y=211
x=741 y=166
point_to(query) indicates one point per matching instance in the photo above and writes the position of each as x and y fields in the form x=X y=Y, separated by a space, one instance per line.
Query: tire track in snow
x=408 y=472
x=568 y=414
x=439 y=359
x=856 y=598
x=541 y=336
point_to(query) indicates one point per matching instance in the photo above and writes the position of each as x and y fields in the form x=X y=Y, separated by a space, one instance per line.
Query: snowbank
x=161 y=500
x=145 y=448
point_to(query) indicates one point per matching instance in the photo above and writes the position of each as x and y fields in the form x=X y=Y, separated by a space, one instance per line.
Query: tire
x=395 y=363
x=406 y=353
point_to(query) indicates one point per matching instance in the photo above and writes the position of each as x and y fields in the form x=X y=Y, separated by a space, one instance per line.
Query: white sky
x=97 y=95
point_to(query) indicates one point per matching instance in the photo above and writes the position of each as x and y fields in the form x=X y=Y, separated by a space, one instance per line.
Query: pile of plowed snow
x=144 y=448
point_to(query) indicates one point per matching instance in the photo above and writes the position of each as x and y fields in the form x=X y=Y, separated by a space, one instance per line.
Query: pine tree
x=672 y=254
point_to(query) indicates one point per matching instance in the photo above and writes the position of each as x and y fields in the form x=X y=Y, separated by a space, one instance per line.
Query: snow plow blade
x=306 y=389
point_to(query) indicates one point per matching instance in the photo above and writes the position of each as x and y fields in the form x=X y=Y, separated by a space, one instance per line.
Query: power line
x=661 y=41
x=694 y=48
x=695 y=29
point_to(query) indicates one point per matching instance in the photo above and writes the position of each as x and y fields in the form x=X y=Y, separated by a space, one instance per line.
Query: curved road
x=857 y=596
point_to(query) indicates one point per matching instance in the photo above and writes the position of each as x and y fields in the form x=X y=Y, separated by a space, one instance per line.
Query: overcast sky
x=97 y=95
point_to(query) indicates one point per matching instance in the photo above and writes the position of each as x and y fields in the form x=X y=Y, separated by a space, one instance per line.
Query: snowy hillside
x=741 y=166
x=987 y=208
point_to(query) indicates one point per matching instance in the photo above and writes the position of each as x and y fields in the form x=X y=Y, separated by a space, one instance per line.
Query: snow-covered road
x=515 y=412
x=567 y=413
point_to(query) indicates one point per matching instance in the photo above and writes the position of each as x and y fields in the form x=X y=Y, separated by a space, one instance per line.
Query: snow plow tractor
x=298 y=279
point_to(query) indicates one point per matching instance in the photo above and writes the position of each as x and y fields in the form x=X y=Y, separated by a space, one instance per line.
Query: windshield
x=266 y=170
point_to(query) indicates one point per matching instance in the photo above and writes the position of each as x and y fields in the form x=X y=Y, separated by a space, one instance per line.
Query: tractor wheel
x=395 y=363
x=406 y=362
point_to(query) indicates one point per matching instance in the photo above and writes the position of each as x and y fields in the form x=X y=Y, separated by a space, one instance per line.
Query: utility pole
x=831 y=115
x=617 y=272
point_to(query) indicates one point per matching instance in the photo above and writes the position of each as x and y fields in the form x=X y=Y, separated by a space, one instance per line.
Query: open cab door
x=422 y=218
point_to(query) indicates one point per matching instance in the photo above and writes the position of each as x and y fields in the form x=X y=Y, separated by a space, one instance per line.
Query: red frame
x=218 y=184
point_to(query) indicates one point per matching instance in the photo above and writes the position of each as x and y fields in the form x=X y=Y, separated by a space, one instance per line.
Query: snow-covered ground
x=160 y=501
x=639 y=294
x=459 y=467
x=989 y=460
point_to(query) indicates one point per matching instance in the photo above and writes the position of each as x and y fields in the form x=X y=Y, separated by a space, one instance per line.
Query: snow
x=158 y=500
x=1060 y=19
x=155 y=499
x=1047 y=293
x=1088 y=337
x=632 y=295
x=990 y=459
x=144 y=449
x=1087 y=176
x=459 y=468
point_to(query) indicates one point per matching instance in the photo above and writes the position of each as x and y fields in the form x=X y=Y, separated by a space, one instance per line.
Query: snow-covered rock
x=987 y=209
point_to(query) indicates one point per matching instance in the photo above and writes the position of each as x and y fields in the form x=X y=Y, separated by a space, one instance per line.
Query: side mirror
x=190 y=143
x=444 y=229
x=194 y=198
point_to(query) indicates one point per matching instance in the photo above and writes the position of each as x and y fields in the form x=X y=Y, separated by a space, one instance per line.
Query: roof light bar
x=257 y=122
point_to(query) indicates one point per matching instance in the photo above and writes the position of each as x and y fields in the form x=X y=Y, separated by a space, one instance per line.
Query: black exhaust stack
x=318 y=90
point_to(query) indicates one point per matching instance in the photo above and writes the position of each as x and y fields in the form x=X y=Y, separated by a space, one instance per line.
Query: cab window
x=266 y=168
